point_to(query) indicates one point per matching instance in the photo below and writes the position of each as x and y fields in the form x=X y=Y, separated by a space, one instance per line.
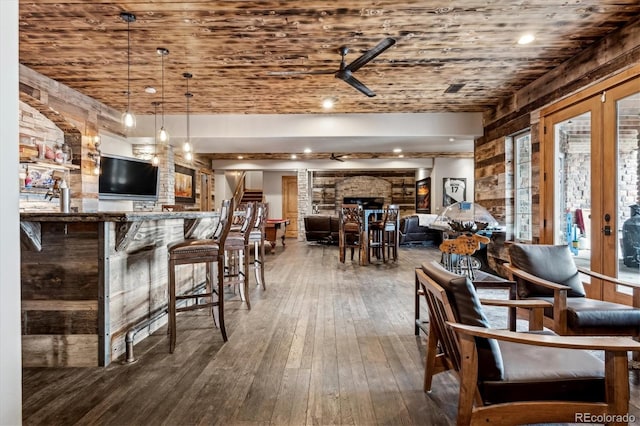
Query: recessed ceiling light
x=327 y=103
x=150 y=89
x=307 y=150
x=240 y=157
x=397 y=150
x=526 y=39
x=452 y=139
x=401 y=156
x=293 y=156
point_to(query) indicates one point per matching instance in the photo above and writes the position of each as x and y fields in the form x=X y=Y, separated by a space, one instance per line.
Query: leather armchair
x=412 y=233
x=517 y=378
x=548 y=272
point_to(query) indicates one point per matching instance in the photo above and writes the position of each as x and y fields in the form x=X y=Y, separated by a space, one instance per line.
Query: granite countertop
x=113 y=216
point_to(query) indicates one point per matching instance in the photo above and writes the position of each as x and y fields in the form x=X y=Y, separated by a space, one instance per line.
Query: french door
x=590 y=195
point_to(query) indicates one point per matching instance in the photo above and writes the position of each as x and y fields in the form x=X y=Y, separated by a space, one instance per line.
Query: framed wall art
x=454 y=190
x=423 y=195
x=185 y=185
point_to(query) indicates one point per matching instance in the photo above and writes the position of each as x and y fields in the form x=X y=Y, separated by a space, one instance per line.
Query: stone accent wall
x=304 y=203
x=362 y=186
x=398 y=189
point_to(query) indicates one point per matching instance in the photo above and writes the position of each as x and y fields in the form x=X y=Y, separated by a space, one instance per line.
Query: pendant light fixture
x=187 y=143
x=128 y=119
x=155 y=160
x=163 y=136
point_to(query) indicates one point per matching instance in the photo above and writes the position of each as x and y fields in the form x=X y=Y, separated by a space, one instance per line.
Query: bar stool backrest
x=224 y=224
x=249 y=219
x=249 y=222
x=391 y=216
x=261 y=217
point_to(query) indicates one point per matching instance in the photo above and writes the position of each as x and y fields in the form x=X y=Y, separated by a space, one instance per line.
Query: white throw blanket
x=426 y=219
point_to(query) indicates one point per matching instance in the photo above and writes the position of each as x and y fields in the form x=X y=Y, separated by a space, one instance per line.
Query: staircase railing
x=239 y=191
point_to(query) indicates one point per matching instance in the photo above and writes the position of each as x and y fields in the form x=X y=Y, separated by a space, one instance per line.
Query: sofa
x=411 y=232
x=321 y=228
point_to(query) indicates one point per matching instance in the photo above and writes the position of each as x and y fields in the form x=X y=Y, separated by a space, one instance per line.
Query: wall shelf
x=50 y=164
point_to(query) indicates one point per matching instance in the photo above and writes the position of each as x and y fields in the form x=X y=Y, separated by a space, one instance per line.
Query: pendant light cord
x=162 y=54
x=128 y=67
x=188 y=95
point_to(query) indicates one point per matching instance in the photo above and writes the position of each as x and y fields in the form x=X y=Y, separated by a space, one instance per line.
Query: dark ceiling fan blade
x=285 y=73
x=336 y=157
x=356 y=84
x=371 y=54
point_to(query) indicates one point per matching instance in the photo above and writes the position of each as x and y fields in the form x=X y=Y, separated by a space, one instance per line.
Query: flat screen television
x=123 y=178
x=365 y=202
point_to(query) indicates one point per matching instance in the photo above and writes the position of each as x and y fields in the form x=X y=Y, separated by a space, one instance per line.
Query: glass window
x=522 y=193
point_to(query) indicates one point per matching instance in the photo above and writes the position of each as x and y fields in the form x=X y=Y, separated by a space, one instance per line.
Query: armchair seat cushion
x=544 y=373
x=592 y=313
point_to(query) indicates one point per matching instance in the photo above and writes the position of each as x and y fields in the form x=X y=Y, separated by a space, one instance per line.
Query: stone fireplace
x=363 y=186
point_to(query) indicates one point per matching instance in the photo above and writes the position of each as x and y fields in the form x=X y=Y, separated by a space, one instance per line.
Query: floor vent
x=454 y=88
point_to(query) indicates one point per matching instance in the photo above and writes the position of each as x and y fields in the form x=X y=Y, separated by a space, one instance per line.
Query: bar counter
x=89 y=277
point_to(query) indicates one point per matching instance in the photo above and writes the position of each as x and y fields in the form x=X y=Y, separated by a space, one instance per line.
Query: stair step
x=252 y=196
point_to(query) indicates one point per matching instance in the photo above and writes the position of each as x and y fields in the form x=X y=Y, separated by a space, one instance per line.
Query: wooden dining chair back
x=193 y=251
x=518 y=378
x=350 y=231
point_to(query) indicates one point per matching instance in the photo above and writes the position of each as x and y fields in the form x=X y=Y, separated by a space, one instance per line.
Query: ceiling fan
x=336 y=157
x=345 y=73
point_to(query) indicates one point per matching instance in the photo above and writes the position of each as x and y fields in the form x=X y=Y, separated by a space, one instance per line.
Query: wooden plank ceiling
x=231 y=47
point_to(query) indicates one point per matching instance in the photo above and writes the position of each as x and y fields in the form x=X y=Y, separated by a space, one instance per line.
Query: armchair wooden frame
x=459 y=353
x=616 y=379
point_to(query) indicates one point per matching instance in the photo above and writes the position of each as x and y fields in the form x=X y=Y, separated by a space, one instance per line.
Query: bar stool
x=209 y=251
x=257 y=238
x=375 y=237
x=237 y=253
x=350 y=232
x=390 y=239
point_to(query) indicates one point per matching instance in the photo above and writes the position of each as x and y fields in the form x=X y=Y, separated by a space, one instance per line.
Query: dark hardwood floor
x=326 y=343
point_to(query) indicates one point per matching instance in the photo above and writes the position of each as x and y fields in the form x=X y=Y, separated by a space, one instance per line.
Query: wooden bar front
x=89 y=277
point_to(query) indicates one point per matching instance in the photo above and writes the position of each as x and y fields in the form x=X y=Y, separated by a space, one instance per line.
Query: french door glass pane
x=628 y=143
x=573 y=186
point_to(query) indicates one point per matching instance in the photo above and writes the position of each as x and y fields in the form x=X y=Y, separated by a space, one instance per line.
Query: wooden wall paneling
x=59 y=284
x=75 y=350
x=60 y=322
